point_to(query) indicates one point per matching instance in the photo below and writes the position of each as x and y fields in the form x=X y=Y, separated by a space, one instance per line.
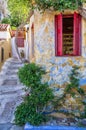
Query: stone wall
x=6 y=45
x=58 y=68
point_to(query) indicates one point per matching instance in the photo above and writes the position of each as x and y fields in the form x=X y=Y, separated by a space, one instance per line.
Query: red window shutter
x=58 y=35
x=77 y=34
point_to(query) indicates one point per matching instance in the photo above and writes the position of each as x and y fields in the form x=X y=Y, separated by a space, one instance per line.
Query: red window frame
x=76 y=34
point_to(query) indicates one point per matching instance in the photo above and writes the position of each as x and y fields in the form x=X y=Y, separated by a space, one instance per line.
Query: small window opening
x=68 y=36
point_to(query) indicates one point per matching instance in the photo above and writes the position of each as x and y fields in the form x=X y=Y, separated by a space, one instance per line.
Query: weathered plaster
x=58 y=68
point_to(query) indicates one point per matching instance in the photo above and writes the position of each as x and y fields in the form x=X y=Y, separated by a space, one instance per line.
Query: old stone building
x=57 y=41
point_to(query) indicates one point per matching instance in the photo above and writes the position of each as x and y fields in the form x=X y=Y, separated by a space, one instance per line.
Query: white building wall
x=4 y=35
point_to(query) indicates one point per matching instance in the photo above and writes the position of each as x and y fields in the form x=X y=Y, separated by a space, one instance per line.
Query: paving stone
x=6 y=126
x=11 y=91
x=13 y=67
x=10 y=82
x=11 y=88
x=14 y=127
x=6 y=115
x=10 y=72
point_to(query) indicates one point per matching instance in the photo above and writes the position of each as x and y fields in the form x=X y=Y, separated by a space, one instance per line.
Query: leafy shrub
x=31 y=110
x=26 y=113
x=30 y=75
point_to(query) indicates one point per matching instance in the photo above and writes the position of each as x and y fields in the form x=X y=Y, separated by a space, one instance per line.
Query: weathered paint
x=44 y=46
x=58 y=68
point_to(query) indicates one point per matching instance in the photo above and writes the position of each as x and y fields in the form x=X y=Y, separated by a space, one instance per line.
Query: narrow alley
x=11 y=92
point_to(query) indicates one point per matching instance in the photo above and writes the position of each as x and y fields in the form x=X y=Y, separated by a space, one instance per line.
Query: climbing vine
x=20 y=15
x=73 y=96
x=59 y=5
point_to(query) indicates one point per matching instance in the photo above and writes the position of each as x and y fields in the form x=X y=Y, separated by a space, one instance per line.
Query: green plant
x=19 y=15
x=59 y=5
x=30 y=75
x=19 y=10
x=73 y=96
x=35 y=103
x=6 y=20
x=73 y=86
x=26 y=113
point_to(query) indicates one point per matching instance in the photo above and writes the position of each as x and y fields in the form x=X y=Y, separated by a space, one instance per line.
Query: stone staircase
x=11 y=90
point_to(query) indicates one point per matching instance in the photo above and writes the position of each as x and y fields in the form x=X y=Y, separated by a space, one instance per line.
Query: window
x=67 y=35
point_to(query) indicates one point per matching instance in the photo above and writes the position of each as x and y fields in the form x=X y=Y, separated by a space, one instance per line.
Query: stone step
x=11 y=77
x=10 y=126
x=7 y=72
x=11 y=88
x=15 y=62
x=8 y=82
x=11 y=71
x=14 y=127
x=13 y=93
x=17 y=65
x=4 y=74
x=6 y=126
x=7 y=114
x=13 y=66
x=10 y=65
x=17 y=100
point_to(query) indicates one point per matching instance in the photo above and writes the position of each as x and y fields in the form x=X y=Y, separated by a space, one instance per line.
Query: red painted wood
x=20 y=42
x=68 y=16
x=76 y=35
x=79 y=35
x=56 y=27
x=58 y=35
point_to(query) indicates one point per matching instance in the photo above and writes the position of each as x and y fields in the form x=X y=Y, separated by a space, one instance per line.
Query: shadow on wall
x=5 y=51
